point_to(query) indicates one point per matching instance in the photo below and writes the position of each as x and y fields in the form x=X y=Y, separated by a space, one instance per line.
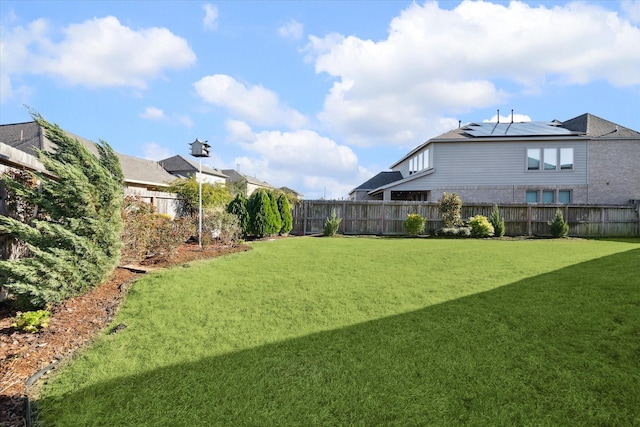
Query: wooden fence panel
x=387 y=218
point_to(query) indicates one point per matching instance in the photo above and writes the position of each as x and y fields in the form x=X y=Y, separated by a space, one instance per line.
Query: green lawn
x=368 y=331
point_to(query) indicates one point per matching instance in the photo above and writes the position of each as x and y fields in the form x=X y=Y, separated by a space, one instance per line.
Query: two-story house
x=584 y=160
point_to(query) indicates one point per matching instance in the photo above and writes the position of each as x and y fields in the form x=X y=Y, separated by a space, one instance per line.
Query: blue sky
x=317 y=96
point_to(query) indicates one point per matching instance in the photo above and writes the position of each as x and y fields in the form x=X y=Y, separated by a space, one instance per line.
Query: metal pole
x=200 y=206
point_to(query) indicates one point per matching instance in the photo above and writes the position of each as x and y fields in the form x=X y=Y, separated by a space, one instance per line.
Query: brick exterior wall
x=614 y=171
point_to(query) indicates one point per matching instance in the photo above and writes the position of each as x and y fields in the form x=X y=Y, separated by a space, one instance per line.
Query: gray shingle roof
x=28 y=136
x=594 y=126
x=383 y=178
x=234 y=175
x=178 y=163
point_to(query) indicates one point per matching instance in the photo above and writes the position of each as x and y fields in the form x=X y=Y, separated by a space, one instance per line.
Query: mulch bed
x=73 y=324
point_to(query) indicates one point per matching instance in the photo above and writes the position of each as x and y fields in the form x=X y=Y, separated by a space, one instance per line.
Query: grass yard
x=368 y=331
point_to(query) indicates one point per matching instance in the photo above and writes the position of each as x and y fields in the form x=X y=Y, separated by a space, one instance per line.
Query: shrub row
x=478 y=226
x=265 y=213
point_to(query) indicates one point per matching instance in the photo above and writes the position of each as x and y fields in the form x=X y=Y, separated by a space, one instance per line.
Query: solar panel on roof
x=517 y=129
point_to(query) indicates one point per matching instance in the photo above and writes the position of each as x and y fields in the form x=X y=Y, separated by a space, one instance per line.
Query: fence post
x=344 y=217
x=304 y=217
x=529 y=212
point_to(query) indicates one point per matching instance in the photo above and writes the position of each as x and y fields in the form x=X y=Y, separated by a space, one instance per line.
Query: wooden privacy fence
x=387 y=218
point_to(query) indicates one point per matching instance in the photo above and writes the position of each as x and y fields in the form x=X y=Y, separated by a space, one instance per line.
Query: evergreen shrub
x=238 y=207
x=332 y=224
x=74 y=234
x=285 y=214
x=558 y=226
x=497 y=221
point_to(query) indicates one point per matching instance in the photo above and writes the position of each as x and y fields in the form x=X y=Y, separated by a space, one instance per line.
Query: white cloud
x=436 y=63
x=210 y=21
x=153 y=151
x=254 y=104
x=517 y=118
x=291 y=30
x=301 y=159
x=157 y=114
x=153 y=113
x=99 y=52
x=632 y=10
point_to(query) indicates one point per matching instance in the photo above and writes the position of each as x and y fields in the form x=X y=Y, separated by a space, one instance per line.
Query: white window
x=566 y=158
x=533 y=159
x=550 y=159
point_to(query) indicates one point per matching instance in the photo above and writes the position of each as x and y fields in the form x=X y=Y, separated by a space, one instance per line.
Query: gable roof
x=234 y=176
x=180 y=164
x=29 y=136
x=379 y=180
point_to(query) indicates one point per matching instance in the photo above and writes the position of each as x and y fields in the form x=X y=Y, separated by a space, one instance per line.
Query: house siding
x=614 y=171
x=496 y=171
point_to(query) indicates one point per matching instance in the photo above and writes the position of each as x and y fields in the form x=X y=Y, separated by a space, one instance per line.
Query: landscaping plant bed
x=72 y=325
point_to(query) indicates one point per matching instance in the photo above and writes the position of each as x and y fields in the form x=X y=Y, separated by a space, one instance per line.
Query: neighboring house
x=185 y=168
x=294 y=193
x=252 y=183
x=143 y=178
x=584 y=160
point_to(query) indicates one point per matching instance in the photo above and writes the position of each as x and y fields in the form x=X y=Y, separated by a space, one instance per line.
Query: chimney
x=498 y=116
x=512 y=115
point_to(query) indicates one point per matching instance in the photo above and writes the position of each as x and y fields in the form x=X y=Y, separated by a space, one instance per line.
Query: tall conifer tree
x=74 y=239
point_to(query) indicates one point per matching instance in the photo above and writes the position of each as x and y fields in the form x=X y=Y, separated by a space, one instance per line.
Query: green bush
x=32 y=321
x=276 y=222
x=238 y=207
x=213 y=195
x=74 y=239
x=480 y=226
x=558 y=226
x=263 y=218
x=285 y=213
x=497 y=221
x=414 y=224
x=450 y=207
x=332 y=224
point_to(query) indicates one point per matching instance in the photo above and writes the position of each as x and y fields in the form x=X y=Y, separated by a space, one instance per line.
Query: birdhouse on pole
x=199 y=148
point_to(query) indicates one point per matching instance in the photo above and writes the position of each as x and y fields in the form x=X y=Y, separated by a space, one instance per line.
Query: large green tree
x=74 y=236
x=213 y=195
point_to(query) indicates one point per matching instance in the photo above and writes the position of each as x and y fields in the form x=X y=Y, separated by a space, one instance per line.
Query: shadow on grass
x=561 y=348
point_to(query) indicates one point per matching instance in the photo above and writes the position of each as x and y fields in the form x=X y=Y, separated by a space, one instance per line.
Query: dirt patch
x=73 y=324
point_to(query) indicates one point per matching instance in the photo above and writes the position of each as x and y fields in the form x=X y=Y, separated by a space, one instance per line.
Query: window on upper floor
x=549 y=159
x=419 y=162
x=533 y=159
x=566 y=158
